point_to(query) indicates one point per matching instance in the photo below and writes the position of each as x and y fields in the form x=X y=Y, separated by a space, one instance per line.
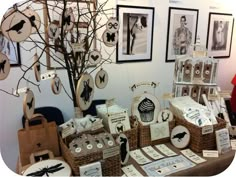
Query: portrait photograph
x=181 y=33
x=219 y=36
x=11 y=50
x=135 y=33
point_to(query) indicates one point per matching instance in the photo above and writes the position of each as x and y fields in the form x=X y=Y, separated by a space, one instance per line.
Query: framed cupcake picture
x=146 y=108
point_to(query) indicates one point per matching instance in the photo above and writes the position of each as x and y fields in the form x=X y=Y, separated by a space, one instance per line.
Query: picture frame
x=135 y=39
x=11 y=50
x=181 y=32
x=219 y=35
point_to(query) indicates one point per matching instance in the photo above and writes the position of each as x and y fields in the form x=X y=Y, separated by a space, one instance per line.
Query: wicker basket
x=144 y=135
x=199 y=142
x=110 y=166
x=132 y=136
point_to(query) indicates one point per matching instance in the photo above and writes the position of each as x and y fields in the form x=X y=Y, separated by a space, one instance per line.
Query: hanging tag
x=48 y=75
x=20 y=90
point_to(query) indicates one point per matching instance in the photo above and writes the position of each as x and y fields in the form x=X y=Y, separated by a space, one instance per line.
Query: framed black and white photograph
x=11 y=50
x=219 y=36
x=135 y=33
x=181 y=32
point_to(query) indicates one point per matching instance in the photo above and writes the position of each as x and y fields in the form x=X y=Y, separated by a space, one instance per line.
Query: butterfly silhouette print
x=102 y=78
x=120 y=128
x=86 y=93
x=30 y=104
x=47 y=170
x=111 y=37
x=2 y=66
x=67 y=20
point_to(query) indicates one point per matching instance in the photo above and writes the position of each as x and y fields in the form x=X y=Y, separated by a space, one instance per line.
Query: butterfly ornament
x=110 y=38
x=67 y=21
x=4 y=66
x=28 y=104
x=101 y=79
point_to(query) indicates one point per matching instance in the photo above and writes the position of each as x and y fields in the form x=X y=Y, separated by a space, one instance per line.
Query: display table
x=211 y=167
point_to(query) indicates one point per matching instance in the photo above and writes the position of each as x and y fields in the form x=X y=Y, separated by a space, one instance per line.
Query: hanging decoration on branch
x=34 y=19
x=68 y=20
x=4 y=66
x=53 y=30
x=28 y=104
x=37 y=69
x=56 y=85
x=101 y=79
x=95 y=57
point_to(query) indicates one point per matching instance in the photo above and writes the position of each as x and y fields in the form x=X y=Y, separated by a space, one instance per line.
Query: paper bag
x=37 y=138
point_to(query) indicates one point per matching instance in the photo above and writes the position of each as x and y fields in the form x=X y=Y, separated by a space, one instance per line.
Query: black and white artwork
x=135 y=33
x=123 y=141
x=180 y=137
x=182 y=31
x=219 y=37
x=101 y=79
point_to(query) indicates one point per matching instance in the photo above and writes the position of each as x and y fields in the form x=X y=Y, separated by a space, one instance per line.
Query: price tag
x=210 y=153
x=167 y=96
x=20 y=90
x=207 y=129
x=233 y=144
x=47 y=75
x=225 y=93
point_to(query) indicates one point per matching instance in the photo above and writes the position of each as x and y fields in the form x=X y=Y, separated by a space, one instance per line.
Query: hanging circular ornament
x=110 y=39
x=85 y=91
x=28 y=104
x=56 y=85
x=101 y=79
x=4 y=66
x=180 y=137
x=146 y=108
x=165 y=115
x=112 y=25
x=53 y=30
x=37 y=69
x=94 y=57
x=34 y=19
x=16 y=26
x=67 y=22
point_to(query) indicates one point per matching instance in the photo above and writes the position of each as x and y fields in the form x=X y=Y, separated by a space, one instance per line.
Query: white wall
x=121 y=76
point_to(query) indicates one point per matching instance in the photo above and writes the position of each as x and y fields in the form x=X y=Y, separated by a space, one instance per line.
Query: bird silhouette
x=17 y=27
x=179 y=136
x=2 y=66
x=32 y=20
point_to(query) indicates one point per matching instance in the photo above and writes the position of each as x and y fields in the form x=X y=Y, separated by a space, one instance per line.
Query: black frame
x=17 y=54
x=136 y=57
x=227 y=51
x=167 y=59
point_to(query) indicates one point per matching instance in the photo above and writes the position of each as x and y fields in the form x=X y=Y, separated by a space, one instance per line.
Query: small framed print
x=135 y=33
x=182 y=31
x=219 y=36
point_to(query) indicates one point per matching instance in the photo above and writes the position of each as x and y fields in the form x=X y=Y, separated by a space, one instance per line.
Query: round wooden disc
x=94 y=57
x=37 y=69
x=28 y=104
x=112 y=25
x=60 y=168
x=123 y=141
x=16 y=26
x=146 y=107
x=69 y=20
x=180 y=137
x=4 y=66
x=165 y=115
x=101 y=79
x=53 y=31
x=85 y=91
x=110 y=39
x=34 y=19
x=56 y=85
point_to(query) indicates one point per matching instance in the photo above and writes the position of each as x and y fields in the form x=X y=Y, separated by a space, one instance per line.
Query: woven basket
x=132 y=136
x=144 y=135
x=199 y=142
x=110 y=166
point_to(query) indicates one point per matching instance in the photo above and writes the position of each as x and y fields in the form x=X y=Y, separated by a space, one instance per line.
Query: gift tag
x=28 y=104
x=185 y=91
x=192 y=156
x=47 y=75
x=151 y=152
x=165 y=150
x=53 y=30
x=123 y=141
x=56 y=85
x=165 y=115
x=95 y=57
x=37 y=69
x=101 y=79
x=4 y=66
x=68 y=128
x=130 y=170
x=110 y=39
x=197 y=70
x=76 y=147
x=34 y=19
x=98 y=142
x=112 y=25
x=195 y=93
x=180 y=137
x=207 y=70
x=91 y=170
x=139 y=157
x=187 y=71
x=16 y=26
x=85 y=91
x=89 y=143
x=107 y=139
